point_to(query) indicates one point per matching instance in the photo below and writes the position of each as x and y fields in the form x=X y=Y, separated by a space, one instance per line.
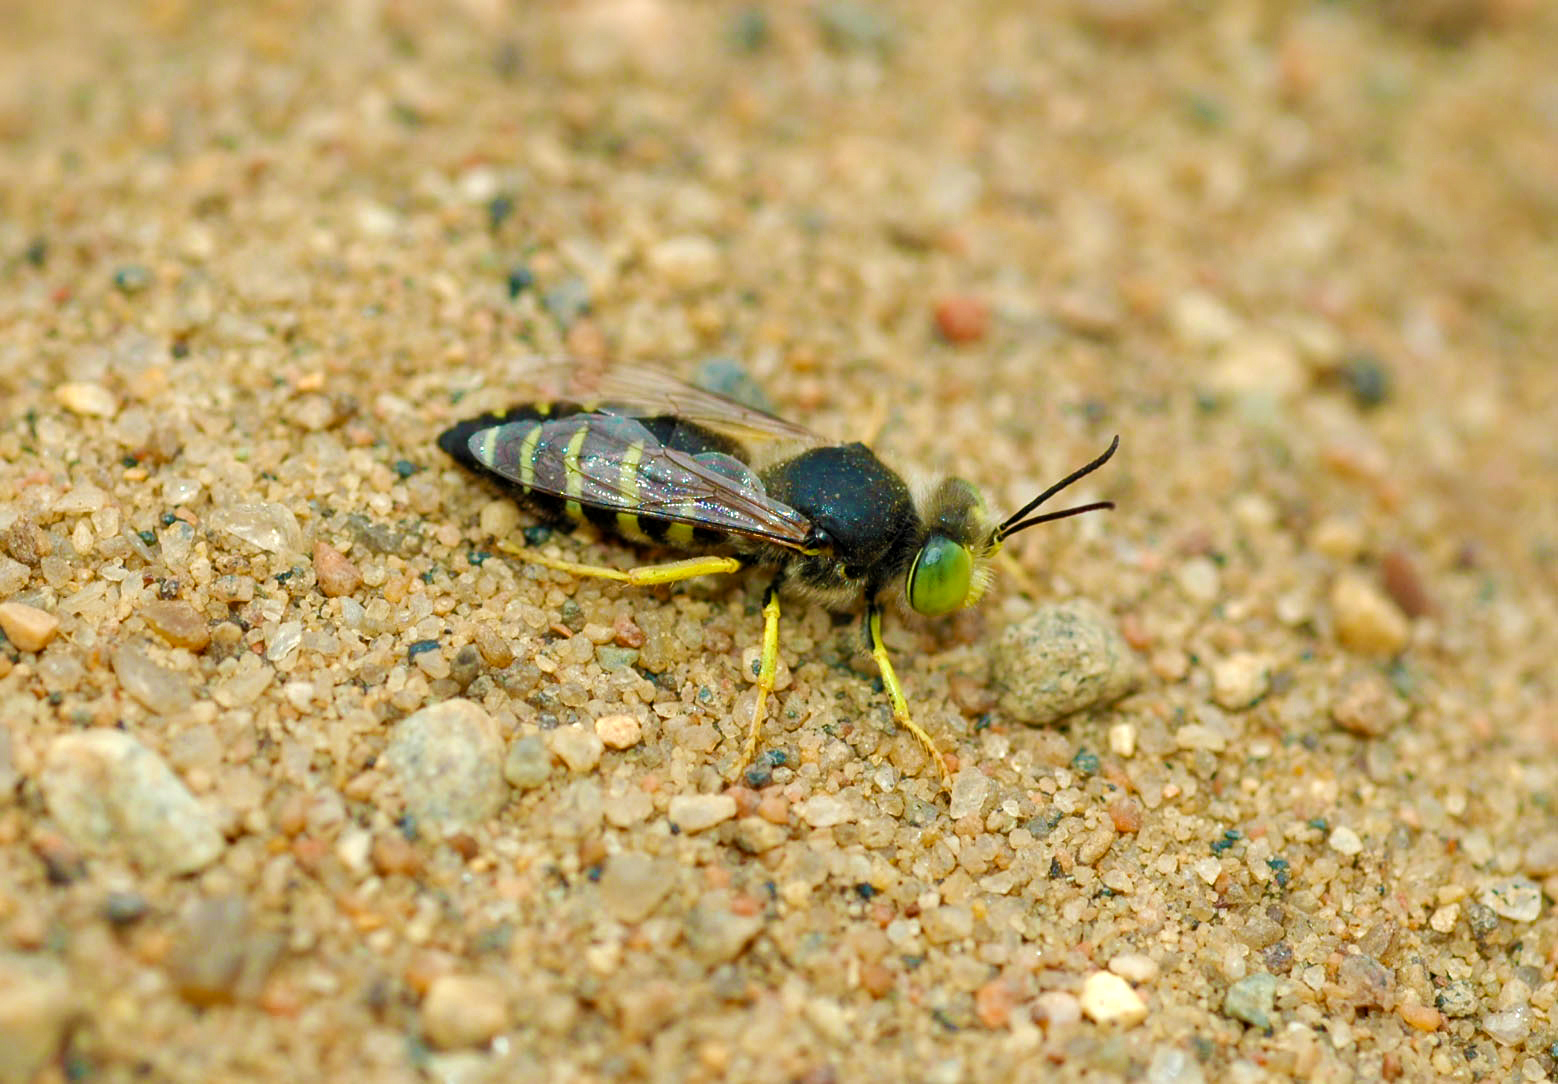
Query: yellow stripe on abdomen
x=627 y=486
x=575 y=481
x=527 y=457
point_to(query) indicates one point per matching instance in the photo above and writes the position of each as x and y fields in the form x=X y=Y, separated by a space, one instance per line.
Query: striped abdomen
x=577 y=465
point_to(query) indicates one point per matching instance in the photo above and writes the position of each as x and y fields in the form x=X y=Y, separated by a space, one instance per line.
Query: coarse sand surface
x=303 y=777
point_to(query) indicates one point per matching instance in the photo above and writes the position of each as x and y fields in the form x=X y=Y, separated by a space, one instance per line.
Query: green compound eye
x=939 y=580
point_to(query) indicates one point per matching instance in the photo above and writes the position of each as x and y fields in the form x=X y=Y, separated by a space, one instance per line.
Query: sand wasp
x=659 y=462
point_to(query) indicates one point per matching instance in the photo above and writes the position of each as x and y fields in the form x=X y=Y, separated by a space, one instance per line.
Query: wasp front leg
x=765 y=674
x=895 y=693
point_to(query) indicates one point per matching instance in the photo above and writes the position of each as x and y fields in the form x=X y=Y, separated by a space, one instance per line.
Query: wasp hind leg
x=765 y=675
x=639 y=576
x=895 y=693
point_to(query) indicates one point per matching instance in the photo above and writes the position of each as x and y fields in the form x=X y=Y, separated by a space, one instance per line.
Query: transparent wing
x=635 y=391
x=620 y=466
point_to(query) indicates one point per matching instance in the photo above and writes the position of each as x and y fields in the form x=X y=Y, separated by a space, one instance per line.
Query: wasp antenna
x=1015 y=521
x=1096 y=506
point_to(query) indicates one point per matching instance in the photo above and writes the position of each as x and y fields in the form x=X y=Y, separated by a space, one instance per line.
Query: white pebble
x=1199 y=579
x=824 y=811
x=1517 y=899
x=970 y=790
x=1345 y=841
x=1240 y=680
x=1134 y=967
x=89 y=400
x=1122 y=740
x=696 y=812
x=577 y=747
x=1107 y=998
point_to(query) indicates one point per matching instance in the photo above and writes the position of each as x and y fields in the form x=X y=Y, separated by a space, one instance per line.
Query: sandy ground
x=301 y=780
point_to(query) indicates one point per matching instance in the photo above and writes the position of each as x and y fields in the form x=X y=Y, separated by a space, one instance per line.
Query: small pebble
x=1240 y=680
x=132 y=278
x=685 y=263
x=1457 y=999
x=1509 y=1027
x=1541 y=858
x=1366 y=621
x=1057 y=1010
x=27 y=627
x=633 y=884
x=1252 y=1000
x=88 y=400
x=1122 y=740
x=962 y=318
x=499 y=519
x=154 y=687
x=1063 y=659
x=1107 y=998
x=1199 y=579
x=178 y=623
x=697 y=812
x=1134 y=967
x=494 y=647
x=110 y=794
x=333 y=572
x=464 y=1010
x=1517 y=899
x=125 y=908
x=219 y=956
x=619 y=731
x=824 y=811
x=970 y=791
x=1344 y=841
x=949 y=922
x=1341 y=538
x=1399 y=575
x=13 y=576
x=528 y=763
x=1171 y=1065
x=1368 y=705
x=263 y=525
x=38 y=999
x=715 y=934
x=576 y=747
x=1365 y=982
x=993 y=1004
x=449 y=760
x=1421 y=1017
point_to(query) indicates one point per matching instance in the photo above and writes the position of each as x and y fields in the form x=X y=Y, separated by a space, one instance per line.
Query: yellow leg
x=895 y=693
x=765 y=677
x=641 y=576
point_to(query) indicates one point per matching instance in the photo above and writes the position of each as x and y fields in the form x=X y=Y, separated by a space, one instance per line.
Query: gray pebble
x=111 y=794
x=715 y=934
x=449 y=760
x=154 y=687
x=615 y=658
x=1456 y=999
x=528 y=763
x=633 y=885
x=1252 y=1000
x=1063 y=659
